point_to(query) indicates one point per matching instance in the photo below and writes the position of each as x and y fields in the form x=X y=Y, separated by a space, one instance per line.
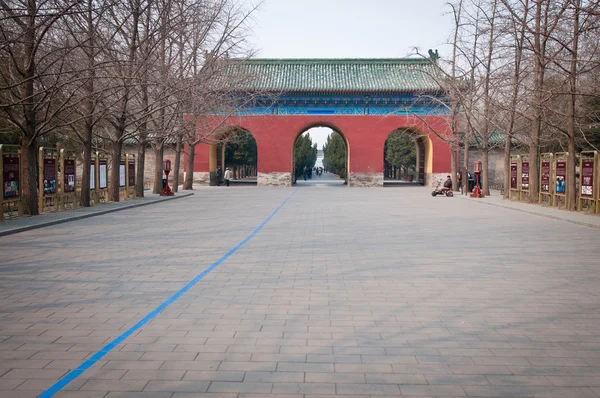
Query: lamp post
x=167 y=169
x=477 y=191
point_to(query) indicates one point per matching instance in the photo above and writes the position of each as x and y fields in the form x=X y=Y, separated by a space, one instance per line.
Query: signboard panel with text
x=513 y=175
x=545 y=186
x=122 y=174
x=587 y=178
x=525 y=175
x=561 y=174
x=10 y=176
x=69 y=176
x=92 y=176
x=131 y=166
x=49 y=176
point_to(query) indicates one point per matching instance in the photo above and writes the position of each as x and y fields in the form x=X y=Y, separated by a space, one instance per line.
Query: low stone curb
x=535 y=213
x=75 y=217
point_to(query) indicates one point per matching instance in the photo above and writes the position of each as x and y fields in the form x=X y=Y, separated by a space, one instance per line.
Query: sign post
x=94 y=180
x=68 y=185
x=560 y=179
x=477 y=193
x=131 y=176
x=524 y=194
x=588 y=190
x=11 y=199
x=48 y=194
x=515 y=180
x=123 y=189
x=167 y=190
x=102 y=178
x=546 y=178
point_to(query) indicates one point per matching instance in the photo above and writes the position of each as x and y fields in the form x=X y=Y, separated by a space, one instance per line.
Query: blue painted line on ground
x=73 y=374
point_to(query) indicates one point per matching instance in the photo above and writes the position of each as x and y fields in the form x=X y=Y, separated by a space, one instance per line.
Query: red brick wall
x=366 y=135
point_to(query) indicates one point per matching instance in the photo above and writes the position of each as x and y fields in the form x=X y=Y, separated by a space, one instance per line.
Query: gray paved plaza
x=344 y=291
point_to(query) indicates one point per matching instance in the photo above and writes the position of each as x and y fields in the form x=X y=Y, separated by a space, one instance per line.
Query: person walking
x=228 y=175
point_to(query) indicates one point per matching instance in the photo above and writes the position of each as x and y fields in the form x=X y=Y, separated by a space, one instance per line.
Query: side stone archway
x=407 y=157
x=236 y=148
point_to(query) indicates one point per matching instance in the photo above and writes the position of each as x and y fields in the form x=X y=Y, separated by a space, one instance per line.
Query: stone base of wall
x=201 y=177
x=366 y=179
x=275 y=179
x=432 y=180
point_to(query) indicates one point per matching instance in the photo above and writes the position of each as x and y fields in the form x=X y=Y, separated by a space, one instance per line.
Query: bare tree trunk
x=487 y=102
x=115 y=162
x=177 y=163
x=85 y=173
x=454 y=121
x=139 y=173
x=29 y=151
x=507 y=148
x=538 y=73
x=29 y=141
x=571 y=185
x=158 y=168
x=453 y=170
x=464 y=174
x=189 y=167
x=520 y=41
x=484 y=175
x=89 y=104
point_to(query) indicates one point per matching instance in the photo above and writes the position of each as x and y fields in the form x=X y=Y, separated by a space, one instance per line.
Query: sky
x=349 y=29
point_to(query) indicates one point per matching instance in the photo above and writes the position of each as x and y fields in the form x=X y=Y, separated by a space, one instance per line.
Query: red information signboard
x=513 y=175
x=587 y=178
x=49 y=176
x=561 y=173
x=525 y=175
x=131 y=166
x=11 y=176
x=545 y=177
x=69 y=175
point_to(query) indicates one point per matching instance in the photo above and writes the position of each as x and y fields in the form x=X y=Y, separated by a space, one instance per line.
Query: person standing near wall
x=219 y=175
x=228 y=176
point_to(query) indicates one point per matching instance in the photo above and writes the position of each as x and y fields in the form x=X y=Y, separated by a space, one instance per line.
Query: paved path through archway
x=349 y=292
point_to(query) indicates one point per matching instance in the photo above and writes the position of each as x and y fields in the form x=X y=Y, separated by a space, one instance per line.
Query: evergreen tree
x=334 y=155
x=241 y=150
x=399 y=151
x=305 y=154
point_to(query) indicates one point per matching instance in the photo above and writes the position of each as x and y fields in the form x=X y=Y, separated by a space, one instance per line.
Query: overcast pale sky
x=350 y=29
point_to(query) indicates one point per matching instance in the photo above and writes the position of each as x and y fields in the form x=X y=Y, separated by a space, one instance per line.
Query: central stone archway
x=332 y=131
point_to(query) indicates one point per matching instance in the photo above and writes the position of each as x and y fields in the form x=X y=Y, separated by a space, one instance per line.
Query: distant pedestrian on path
x=228 y=176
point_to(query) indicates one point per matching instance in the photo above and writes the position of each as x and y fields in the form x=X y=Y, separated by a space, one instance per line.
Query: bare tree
x=516 y=31
x=32 y=71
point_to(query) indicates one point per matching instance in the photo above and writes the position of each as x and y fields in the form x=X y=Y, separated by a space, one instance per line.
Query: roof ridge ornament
x=434 y=56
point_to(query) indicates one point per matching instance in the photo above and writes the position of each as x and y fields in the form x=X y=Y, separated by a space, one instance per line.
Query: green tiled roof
x=495 y=139
x=339 y=75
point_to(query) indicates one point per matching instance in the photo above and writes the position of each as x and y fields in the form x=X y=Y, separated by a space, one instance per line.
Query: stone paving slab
x=495 y=199
x=21 y=224
x=344 y=292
